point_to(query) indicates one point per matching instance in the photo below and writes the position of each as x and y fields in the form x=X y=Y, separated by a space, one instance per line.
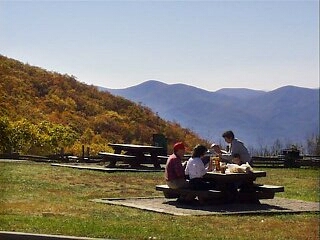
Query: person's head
x=215 y=148
x=199 y=151
x=236 y=158
x=228 y=136
x=179 y=149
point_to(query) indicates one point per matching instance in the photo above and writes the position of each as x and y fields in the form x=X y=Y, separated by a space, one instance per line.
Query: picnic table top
x=233 y=177
x=134 y=146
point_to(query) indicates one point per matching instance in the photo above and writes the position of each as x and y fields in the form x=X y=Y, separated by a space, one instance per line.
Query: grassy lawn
x=39 y=198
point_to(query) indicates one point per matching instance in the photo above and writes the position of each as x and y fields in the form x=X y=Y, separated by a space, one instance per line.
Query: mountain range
x=260 y=118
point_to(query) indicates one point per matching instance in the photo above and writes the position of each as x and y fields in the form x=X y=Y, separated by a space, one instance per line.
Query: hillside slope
x=31 y=97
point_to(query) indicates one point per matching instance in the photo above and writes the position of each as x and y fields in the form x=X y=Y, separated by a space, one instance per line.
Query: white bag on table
x=243 y=168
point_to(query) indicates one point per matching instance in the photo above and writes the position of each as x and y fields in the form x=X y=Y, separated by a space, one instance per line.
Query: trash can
x=291 y=156
x=160 y=140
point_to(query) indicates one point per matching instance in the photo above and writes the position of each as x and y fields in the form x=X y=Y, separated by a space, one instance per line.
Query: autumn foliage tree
x=44 y=111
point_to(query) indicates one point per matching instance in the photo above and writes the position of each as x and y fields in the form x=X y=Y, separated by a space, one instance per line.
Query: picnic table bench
x=267 y=191
x=114 y=157
x=202 y=195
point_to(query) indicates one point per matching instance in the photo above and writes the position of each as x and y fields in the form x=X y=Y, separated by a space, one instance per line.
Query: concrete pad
x=171 y=206
x=95 y=167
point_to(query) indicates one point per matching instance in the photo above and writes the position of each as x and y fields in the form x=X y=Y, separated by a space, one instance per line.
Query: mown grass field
x=39 y=198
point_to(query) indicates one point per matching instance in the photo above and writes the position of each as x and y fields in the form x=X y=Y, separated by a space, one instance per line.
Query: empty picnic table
x=139 y=152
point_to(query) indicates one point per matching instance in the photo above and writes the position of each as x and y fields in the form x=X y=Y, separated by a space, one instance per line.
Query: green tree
x=23 y=136
x=56 y=136
x=5 y=131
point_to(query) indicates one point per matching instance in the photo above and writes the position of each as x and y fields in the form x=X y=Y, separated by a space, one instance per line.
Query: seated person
x=206 y=158
x=196 y=169
x=215 y=150
x=236 y=159
x=174 y=171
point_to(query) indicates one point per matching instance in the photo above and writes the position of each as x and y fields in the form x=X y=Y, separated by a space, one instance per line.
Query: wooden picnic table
x=248 y=190
x=226 y=188
x=139 y=151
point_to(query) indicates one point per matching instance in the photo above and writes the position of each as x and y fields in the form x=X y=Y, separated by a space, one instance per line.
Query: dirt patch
x=171 y=206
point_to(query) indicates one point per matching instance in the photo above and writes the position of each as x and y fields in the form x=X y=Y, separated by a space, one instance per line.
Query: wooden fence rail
x=281 y=161
x=267 y=162
x=257 y=161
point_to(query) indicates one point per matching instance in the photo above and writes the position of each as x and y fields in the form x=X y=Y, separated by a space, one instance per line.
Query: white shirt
x=195 y=168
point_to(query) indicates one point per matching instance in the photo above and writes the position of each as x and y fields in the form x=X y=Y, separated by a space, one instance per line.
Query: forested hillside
x=42 y=111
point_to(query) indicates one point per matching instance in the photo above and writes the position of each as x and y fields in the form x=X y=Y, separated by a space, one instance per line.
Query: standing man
x=174 y=171
x=237 y=148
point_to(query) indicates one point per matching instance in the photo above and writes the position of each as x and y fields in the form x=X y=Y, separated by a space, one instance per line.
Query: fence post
x=88 y=153
x=82 y=157
x=62 y=154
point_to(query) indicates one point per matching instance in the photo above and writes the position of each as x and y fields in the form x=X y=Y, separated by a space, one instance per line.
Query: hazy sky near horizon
x=260 y=45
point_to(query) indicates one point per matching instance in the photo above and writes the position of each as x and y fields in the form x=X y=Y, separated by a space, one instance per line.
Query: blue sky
x=208 y=44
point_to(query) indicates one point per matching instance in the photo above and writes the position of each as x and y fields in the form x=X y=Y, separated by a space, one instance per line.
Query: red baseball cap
x=178 y=146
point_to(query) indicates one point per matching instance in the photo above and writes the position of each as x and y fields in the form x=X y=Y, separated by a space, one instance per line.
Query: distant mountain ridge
x=289 y=114
x=242 y=93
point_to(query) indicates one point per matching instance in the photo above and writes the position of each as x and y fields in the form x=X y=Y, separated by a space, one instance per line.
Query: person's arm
x=224 y=155
x=186 y=170
x=177 y=168
x=201 y=168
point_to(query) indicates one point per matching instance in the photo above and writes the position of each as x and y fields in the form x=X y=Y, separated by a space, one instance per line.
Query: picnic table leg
x=242 y=194
x=154 y=157
x=139 y=158
x=113 y=162
x=248 y=194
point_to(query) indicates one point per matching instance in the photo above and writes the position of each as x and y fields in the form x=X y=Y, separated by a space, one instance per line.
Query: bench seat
x=176 y=193
x=267 y=191
x=270 y=188
x=162 y=159
x=113 y=158
x=108 y=155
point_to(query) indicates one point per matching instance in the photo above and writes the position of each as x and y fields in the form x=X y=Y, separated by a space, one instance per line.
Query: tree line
x=46 y=138
x=311 y=146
